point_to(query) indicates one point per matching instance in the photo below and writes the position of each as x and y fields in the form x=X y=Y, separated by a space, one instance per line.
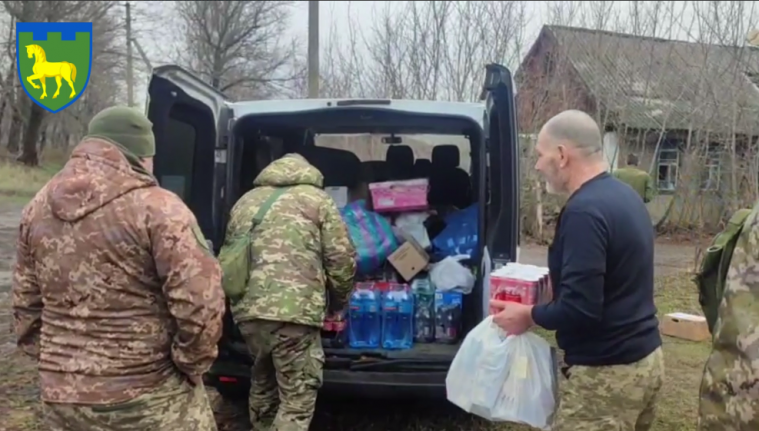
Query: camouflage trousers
x=286 y=375
x=610 y=398
x=729 y=394
x=175 y=405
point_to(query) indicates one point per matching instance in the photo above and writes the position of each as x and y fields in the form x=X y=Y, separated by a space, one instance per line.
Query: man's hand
x=195 y=380
x=514 y=318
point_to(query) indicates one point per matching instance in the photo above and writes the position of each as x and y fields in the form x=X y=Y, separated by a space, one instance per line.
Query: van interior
x=443 y=150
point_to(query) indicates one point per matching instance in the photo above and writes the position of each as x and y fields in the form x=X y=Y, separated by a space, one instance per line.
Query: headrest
x=400 y=155
x=446 y=156
x=340 y=168
x=422 y=168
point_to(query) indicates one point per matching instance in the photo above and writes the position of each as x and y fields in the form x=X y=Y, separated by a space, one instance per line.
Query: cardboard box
x=409 y=259
x=686 y=326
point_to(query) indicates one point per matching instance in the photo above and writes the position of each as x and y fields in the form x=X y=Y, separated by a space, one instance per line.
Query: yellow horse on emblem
x=43 y=69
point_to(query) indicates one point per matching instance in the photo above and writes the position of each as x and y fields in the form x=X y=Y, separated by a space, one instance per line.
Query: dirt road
x=670 y=258
x=9 y=217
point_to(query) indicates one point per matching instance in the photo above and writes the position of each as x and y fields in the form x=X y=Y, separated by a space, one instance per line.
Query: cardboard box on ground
x=685 y=326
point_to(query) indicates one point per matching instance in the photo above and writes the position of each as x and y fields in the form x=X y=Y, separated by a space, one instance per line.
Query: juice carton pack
x=516 y=282
x=448 y=310
x=334 y=328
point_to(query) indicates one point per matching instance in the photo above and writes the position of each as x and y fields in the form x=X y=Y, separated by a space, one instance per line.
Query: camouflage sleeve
x=27 y=297
x=191 y=280
x=339 y=255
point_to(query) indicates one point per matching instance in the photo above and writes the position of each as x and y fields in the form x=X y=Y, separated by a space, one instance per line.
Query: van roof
x=474 y=111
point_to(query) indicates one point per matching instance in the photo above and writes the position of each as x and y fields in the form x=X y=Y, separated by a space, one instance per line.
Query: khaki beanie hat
x=127 y=127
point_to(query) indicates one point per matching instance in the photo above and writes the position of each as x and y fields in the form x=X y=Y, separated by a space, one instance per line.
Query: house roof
x=652 y=83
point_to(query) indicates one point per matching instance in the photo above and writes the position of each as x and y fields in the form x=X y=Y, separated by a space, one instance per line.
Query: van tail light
x=224 y=379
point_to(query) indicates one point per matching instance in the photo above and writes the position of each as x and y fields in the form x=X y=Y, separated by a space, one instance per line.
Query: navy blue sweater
x=602 y=270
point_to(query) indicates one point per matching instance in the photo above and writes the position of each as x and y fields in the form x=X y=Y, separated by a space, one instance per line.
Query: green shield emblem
x=53 y=61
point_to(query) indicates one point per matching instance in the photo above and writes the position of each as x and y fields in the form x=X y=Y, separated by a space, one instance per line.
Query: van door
x=502 y=222
x=190 y=121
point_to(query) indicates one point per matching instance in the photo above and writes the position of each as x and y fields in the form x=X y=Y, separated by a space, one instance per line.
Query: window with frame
x=176 y=174
x=668 y=162
x=710 y=176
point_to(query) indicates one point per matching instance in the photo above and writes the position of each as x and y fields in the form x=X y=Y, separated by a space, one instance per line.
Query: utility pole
x=130 y=70
x=313 y=49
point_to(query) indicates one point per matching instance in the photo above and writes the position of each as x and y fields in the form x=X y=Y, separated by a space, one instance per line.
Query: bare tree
x=238 y=46
x=426 y=50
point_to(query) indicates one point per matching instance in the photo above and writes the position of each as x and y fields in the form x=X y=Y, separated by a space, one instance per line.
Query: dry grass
x=20 y=183
x=677 y=409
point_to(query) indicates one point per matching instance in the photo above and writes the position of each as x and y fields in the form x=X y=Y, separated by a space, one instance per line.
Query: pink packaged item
x=399 y=196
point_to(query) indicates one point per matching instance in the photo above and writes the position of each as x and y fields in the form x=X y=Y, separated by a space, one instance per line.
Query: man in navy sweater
x=602 y=271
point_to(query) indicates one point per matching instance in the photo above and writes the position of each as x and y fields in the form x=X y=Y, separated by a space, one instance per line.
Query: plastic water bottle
x=364 y=317
x=424 y=310
x=398 y=318
x=448 y=311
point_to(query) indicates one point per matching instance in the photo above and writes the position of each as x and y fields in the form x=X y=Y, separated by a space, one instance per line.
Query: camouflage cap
x=127 y=127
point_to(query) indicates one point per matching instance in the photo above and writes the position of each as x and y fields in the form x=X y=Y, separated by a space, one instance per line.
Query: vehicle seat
x=449 y=184
x=375 y=171
x=400 y=162
x=339 y=168
x=422 y=168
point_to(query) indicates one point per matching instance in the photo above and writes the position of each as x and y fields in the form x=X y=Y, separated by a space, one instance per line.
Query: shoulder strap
x=266 y=206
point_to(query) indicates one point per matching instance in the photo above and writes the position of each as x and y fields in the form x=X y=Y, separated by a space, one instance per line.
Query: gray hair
x=576 y=128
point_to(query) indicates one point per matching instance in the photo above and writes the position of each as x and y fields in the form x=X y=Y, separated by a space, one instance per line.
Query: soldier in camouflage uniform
x=301 y=255
x=636 y=178
x=115 y=292
x=729 y=395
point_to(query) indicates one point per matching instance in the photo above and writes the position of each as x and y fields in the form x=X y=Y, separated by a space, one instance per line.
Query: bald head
x=575 y=129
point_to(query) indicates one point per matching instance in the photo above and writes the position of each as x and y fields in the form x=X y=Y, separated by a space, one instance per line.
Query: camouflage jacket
x=114 y=289
x=729 y=395
x=300 y=250
x=639 y=180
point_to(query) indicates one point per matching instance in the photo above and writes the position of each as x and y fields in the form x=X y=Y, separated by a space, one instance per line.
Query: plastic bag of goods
x=412 y=224
x=449 y=274
x=371 y=234
x=503 y=378
x=460 y=233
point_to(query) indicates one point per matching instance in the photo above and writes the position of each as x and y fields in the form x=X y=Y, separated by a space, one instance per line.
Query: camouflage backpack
x=236 y=256
x=714 y=265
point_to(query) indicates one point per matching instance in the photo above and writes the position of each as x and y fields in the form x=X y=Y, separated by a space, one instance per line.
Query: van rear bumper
x=235 y=382
x=385 y=385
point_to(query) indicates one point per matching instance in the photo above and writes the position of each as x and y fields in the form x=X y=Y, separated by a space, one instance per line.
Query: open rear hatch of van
x=200 y=155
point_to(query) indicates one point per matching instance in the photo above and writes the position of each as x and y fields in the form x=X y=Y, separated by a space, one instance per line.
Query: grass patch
x=19 y=183
x=677 y=407
x=20 y=410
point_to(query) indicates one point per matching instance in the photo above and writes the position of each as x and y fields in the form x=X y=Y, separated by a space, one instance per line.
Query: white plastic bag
x=527 y=393
x=412 y=224
x=449 y=274
x=503 y=378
